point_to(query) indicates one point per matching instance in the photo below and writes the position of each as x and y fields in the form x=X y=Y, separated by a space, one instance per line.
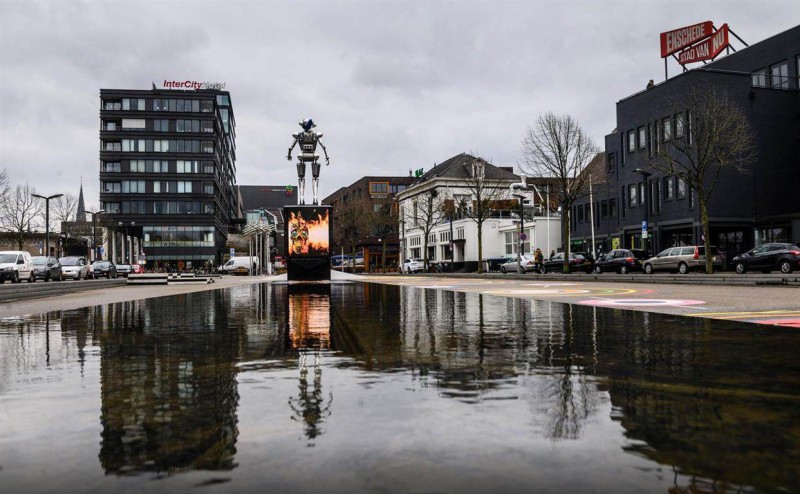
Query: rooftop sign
x=193 y=85
x=707 y=49
x=678 y=39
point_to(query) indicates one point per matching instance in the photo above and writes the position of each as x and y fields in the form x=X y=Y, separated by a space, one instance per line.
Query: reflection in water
x=642 y=402
x=169 y=395
x=309 y=329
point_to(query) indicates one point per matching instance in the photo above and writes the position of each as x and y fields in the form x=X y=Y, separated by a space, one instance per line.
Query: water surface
x=349 y=387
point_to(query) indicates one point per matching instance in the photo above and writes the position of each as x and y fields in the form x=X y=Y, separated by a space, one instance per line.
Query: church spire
x=81 y=214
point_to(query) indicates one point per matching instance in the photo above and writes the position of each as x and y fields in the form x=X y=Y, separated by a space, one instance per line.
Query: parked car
x=621 y=261
x=124 y=270
x=494 y=263
x=137 y=269
x=75 y=267
x=104 y=269
x=240 y=265
x=769 y=257
x=576 y=263
x=682 y=259
x=527 y=261
x=16 y=265
x=46 y=268
x=588 y=258
x=410 y=266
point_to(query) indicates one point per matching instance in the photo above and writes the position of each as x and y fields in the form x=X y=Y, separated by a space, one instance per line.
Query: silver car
x=682 y=259
x=527 y=261
x=75 y=268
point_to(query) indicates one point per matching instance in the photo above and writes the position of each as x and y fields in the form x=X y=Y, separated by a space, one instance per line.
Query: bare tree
x=62 y=209
x=712 y=135
x=381 y=220
x=20 y=211
x=5 y=183
x=556 y=146
x=349 y=225
x=485 y=196
x=427 y=212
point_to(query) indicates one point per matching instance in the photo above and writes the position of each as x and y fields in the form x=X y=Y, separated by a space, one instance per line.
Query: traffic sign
x=233 y=252
x=523 y=237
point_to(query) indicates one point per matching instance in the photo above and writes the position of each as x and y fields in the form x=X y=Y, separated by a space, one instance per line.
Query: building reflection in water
x=309 y=334
x=168 y=384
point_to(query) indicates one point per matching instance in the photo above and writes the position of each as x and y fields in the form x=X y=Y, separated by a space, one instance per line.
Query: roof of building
x=460 y=166
x=266 y=196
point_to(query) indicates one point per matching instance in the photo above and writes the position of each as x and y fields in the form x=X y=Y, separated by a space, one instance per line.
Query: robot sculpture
x=308 y=140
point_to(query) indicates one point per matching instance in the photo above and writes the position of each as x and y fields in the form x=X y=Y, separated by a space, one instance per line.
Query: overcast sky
x=393 y=86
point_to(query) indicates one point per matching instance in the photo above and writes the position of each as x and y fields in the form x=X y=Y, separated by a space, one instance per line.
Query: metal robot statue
x=308 y=140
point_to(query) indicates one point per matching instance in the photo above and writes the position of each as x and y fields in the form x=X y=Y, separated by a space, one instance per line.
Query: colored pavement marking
x=640 y=302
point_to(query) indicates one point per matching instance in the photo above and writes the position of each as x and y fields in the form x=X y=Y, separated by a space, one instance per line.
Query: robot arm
x=327 y=160
x=289 y=154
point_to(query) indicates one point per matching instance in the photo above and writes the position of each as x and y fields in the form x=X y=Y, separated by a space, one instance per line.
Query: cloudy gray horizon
x=393 y=86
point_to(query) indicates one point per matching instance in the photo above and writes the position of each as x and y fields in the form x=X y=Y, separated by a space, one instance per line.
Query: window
x=444 y=236
x=188 y=166
x=133 y=186
x=641 y=193
x=208 y=146
x=206 y=106
x=112 y=187
x=184 y=187
x=681 y=188
x=780 y=75
x=579 y=216
x=460 y=234
x=112 y=166
x=208 y=188
x=642 y=138
x=679 y=125
x=689 y=126
x=759 y=78
x=126 y=103
x=137 y=166
x=161 y=125
x=133 y=145
x=161 y=146
x=669 y=188
x=655 y=197
x=432 y=238
x=109 y=125
x=111 y=207
x=112 y=146
x=159 y=166
x=207 y=126
x=612 y=208
x=414 y=241
x=381 y=188
x=631 y=141
x=666 y=126
x=398 y=188
x=632 y=195
x=611 y=162
x=112 y=105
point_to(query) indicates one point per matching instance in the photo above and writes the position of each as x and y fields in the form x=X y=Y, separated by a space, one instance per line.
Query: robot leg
x=315 y=181
x=301 y=186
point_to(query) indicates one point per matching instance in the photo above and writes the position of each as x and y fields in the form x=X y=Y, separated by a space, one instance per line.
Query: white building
x=451 y=187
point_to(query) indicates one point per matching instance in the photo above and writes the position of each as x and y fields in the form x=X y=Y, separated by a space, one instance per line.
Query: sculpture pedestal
x=308 y=231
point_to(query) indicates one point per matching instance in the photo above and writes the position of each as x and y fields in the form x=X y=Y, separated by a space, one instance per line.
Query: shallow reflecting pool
x=351 y=387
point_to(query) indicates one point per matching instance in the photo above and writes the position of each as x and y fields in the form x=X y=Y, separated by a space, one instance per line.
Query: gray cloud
x=394 y=86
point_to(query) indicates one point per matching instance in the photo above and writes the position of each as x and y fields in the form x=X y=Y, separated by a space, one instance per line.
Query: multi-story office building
x=167 y=175
x=746 y=209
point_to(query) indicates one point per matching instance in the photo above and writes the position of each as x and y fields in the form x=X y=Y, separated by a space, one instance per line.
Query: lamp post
x=47 y=220
x=94 y=230
x=521 y=231
x=645 y=175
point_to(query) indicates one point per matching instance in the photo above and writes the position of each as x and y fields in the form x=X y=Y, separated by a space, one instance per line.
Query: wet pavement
x=352 y=387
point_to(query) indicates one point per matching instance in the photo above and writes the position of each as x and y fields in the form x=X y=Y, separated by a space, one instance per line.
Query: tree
x=63 y=209
x=717 y=137
x=428 y=211
x=485 y=196
x=381 y=220
x=19 y=210
x=557 y=147
x=349 y=224
x=5 y=183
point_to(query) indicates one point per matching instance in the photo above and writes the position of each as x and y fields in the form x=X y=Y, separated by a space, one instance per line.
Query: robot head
x=307 y=124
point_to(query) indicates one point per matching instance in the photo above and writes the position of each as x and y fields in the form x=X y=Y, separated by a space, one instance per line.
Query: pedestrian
x=538 y=260
x=552 y=253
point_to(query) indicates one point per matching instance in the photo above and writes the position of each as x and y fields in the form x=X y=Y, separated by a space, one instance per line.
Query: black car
x=576 y=263
x=46 y=268
x=769 y=257
x=621 y=261
x=104 y=268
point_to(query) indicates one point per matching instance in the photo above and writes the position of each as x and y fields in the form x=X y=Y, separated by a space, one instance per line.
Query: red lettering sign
x=706 y=50
x=678 y=39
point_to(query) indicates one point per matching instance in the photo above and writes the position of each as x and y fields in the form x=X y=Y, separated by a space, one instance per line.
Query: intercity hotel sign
x=194 y=85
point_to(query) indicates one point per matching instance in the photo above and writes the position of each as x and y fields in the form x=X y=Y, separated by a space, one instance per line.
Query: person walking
x=538 y=260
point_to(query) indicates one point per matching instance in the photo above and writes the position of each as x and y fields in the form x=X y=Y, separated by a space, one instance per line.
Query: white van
x=16 y=265
x=240 y=265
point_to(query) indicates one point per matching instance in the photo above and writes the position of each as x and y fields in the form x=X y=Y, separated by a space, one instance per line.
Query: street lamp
x=47 y=220
x=521 y=231
x=645 y=175
x=94 y=230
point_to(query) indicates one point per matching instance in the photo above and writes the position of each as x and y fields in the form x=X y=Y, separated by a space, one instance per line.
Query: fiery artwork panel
x=308 y=232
